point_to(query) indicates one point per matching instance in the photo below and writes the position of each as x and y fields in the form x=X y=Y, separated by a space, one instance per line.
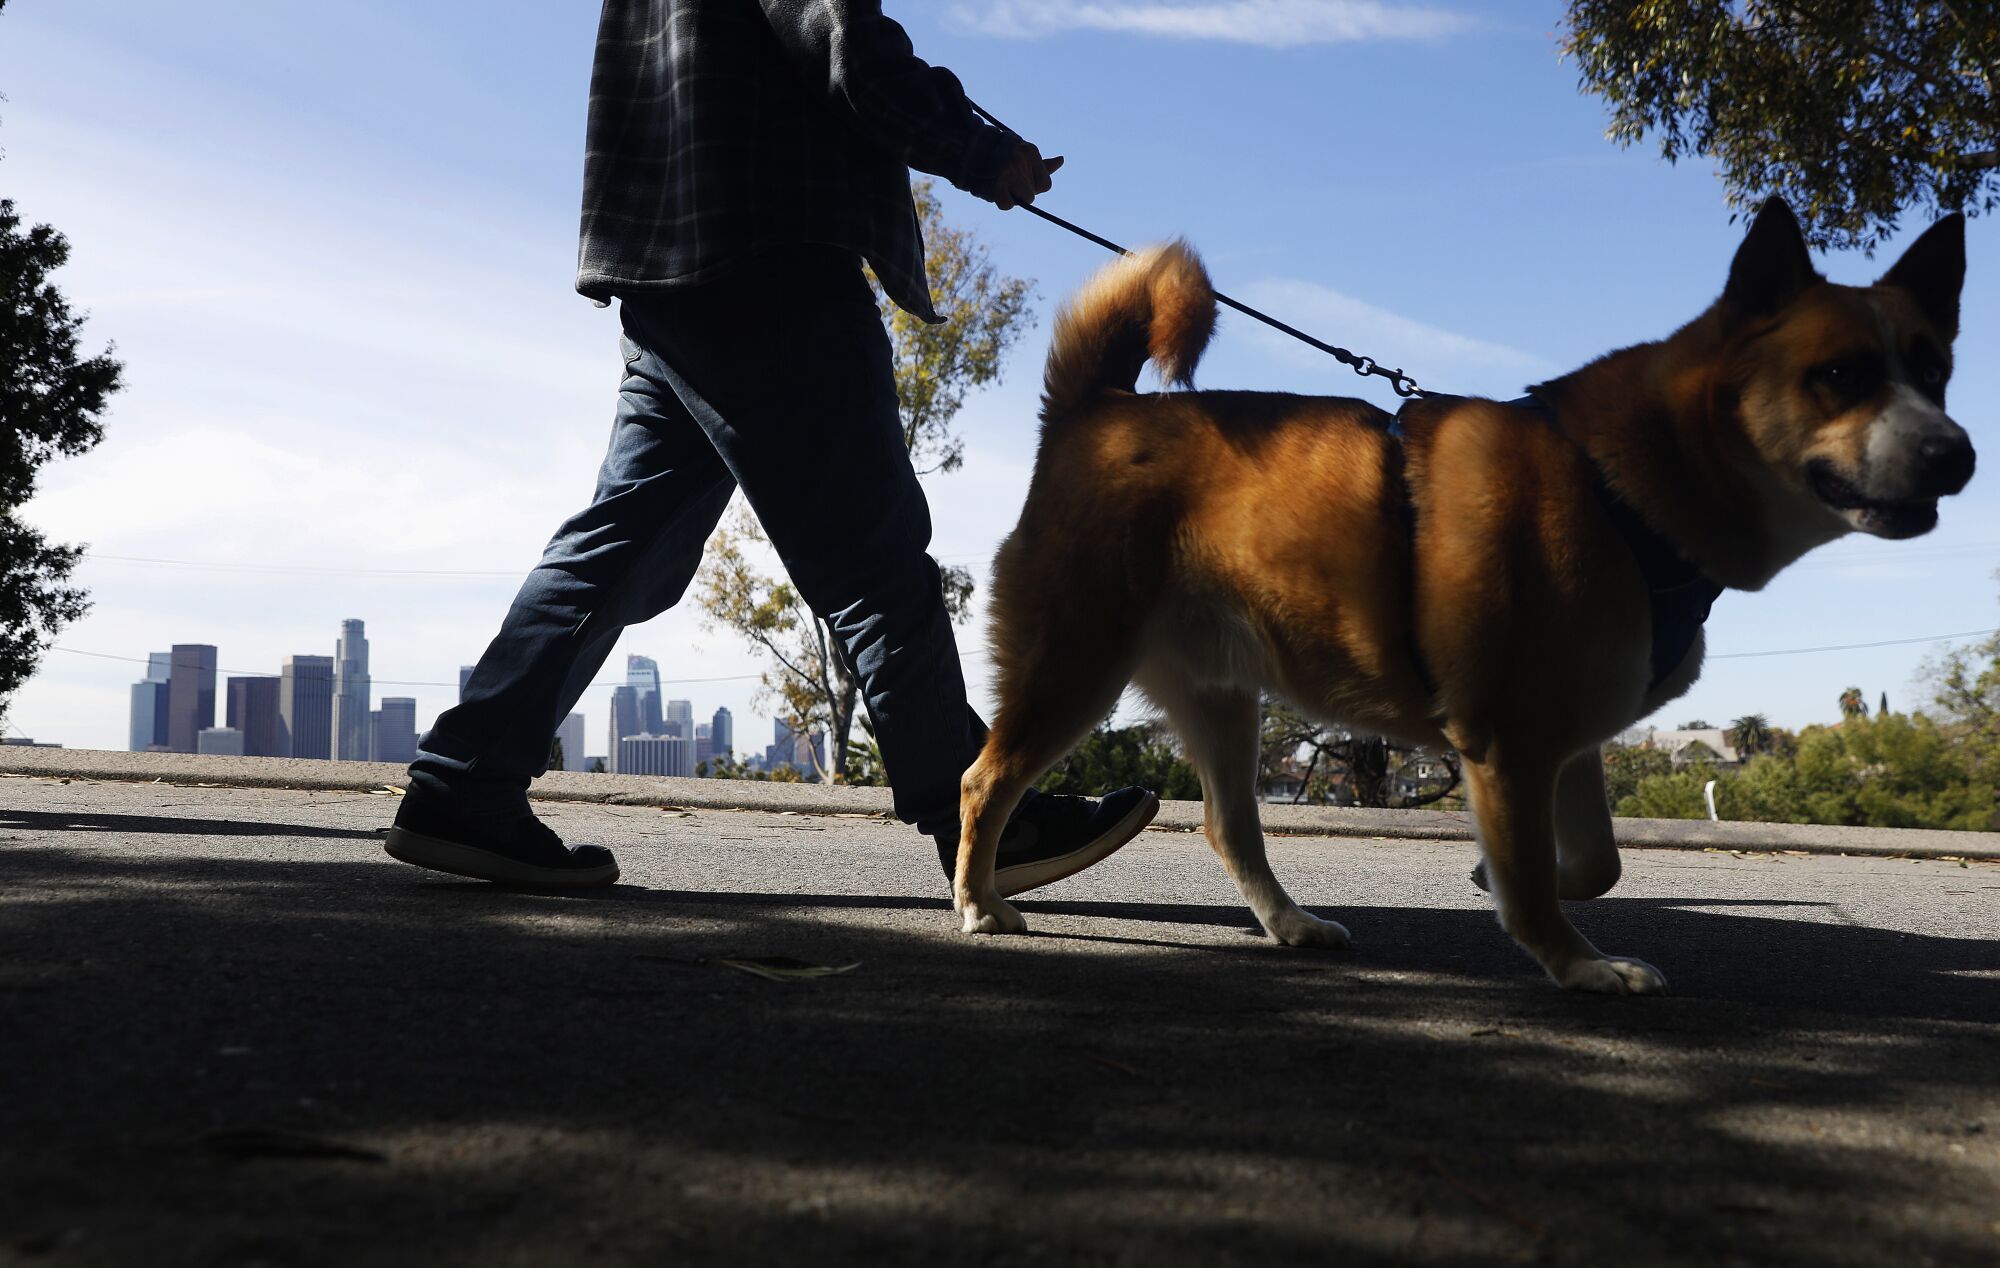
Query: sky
x=334 y=245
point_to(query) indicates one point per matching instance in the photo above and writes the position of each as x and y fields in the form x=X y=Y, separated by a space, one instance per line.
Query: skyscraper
x=779 y=750
x=624 y=721
x=655 y=755
x=679 y=720
x=722 y=734
x=224 y=740
x=190 y=695
x=393 y=730
x=571 y=735
x=642 y=674
x=305 y=707
x=704 y=748
x=350 y=693
x=149 y=704
x=252 y=709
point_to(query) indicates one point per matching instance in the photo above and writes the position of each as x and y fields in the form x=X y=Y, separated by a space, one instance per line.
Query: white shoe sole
x=1023 y=877
x=441 y=855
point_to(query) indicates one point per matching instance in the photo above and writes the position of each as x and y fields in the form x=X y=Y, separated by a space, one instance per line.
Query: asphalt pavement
x=233 y=1032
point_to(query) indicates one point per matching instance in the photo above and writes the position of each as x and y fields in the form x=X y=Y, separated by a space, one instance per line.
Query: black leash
x=1362 y=365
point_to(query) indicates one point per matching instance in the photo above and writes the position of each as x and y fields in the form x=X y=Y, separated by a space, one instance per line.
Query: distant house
x=1284 y=783
x=1689 y=748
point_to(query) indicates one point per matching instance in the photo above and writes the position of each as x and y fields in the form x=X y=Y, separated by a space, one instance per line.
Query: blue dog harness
x=1680 y=593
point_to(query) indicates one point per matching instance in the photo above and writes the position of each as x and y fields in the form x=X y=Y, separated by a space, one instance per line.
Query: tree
x=1965 y=687
x=1118 y=757
x=1853 y=704
x=1626 y=766
x=1852 y=110
x=985 y=312
x=1899 y=771
x=1750 y=734
x=1694 y=724
x=556 y=754
x=1352 y=768
x=595 y=766
x=51 y=402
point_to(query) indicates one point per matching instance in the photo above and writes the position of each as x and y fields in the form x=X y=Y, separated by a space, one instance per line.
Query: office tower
x=149 y=704
x=571 y=735
x=704 y=748
x=393 y=731
x=722 y=734
x=464 y=676
x=680 y=719
x=226 y=741
x=642 y=674
x=190 y=695
x=350 y=693
x=252 y=708
x=305 y=707
x=149 y=717
x=655 y=755
x=624 y=720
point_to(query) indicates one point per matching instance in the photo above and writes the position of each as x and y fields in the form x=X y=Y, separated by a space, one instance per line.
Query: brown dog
x=1519 y=581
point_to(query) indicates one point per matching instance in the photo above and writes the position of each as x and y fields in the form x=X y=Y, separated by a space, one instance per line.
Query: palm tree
x=1750 y=734
x=1853 y=704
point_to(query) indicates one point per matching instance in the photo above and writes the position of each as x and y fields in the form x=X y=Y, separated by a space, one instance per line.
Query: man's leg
x=789 y=371
x=623 y=559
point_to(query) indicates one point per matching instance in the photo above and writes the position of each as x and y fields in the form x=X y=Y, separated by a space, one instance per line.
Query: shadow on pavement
x=551 y=1080
x=54 y=821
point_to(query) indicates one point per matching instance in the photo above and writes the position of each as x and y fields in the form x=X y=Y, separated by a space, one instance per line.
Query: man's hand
x=1026 y=174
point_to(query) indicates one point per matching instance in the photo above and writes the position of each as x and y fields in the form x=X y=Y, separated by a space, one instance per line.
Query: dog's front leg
x=1513 y=798
x=1586 y=849
x=983 y=806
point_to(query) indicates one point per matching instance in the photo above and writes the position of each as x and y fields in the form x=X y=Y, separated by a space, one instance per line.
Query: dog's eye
x=1848 y=377
x=1929 y=369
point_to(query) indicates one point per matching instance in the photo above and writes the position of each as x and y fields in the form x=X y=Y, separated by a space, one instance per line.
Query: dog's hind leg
x=1219 y=729
x=1063 y=682
x=1514 y=802
x=1586 y=849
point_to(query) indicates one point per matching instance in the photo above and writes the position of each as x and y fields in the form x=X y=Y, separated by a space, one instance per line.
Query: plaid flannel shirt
x=721 y=128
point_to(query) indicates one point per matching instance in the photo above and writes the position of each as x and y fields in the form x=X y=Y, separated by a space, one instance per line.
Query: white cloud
x=1433 y=356
x=1270 y=23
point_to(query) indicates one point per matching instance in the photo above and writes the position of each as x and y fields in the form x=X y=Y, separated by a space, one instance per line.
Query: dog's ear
x=1933 y=272
x=1772 y=266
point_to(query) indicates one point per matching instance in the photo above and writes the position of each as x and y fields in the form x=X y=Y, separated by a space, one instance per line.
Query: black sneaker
x=1053 y=836
x=523 y=851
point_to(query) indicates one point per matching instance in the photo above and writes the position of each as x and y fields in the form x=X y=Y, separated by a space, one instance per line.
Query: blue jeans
x=777 y=378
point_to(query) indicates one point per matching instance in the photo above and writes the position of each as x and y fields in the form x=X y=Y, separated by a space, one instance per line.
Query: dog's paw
x=991 y=915
x=1296 y=928
x=1612 y=976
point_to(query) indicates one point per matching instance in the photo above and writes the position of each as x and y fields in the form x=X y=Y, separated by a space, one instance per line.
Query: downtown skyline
x=308 y=710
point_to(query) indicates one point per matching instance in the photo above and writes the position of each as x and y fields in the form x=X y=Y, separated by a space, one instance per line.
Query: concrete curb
x=719 y=794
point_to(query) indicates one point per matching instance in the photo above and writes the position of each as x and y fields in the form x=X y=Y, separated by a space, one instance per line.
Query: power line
x=303 y=568
x=1849 y=647
x=315 y=570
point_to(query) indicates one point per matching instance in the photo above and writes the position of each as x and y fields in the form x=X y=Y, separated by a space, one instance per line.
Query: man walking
x=743 y=158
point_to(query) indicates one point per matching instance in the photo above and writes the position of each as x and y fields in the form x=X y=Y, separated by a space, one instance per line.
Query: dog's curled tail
x=1155 y=305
